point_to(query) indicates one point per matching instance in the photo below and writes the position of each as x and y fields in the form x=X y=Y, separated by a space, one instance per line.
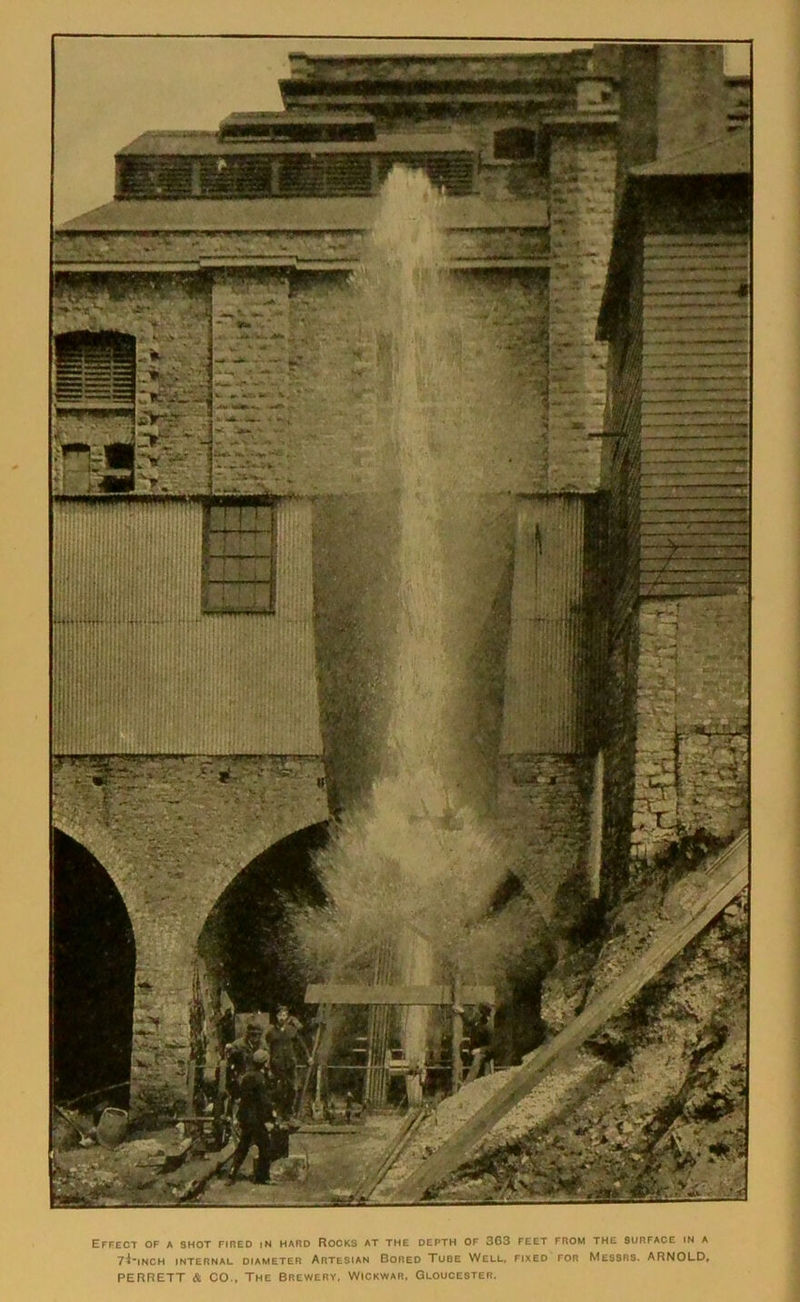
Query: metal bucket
x=112 y=1127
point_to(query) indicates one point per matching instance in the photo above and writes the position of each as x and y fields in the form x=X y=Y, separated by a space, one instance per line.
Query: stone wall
x=283 y=368
x=543 y=809
x=655 y=814
x=169 y=317
x=712 y=708
x=250 y=381
x=691 y=749
x=313 y=241
x=173 y=832
x=582 y=172
x=619 y=745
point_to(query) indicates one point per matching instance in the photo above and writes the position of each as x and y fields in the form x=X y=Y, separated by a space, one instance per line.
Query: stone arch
x=93 y=970
x=245 y=961
x=97 y=840
x=256 y=842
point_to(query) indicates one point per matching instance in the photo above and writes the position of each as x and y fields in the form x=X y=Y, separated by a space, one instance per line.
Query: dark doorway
x=247 y=945
x=93 y=959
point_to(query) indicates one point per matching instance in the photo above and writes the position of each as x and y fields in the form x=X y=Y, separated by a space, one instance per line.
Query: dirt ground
x=329 y=1167
x=653 y=1108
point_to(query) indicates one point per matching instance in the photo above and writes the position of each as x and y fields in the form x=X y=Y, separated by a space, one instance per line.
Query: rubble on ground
x=654 y=1106
x=95 y=1176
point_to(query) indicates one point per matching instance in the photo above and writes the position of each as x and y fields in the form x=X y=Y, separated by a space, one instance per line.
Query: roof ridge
x=704 y=145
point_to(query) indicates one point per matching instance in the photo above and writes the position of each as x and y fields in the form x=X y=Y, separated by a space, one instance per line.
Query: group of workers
x=262 y=1071
x=261 y=1080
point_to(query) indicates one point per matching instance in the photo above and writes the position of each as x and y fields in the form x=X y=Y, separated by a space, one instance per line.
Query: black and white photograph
x=400 y=614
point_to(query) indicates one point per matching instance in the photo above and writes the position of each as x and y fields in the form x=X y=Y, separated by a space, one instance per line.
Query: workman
x=239 y=1053
x=481 y=1045
x=287 y=1052
x=257 y=1119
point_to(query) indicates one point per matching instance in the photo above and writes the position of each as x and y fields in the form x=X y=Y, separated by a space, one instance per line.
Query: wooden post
x=190 y=1087
x=384 y=996
x=458 y=1031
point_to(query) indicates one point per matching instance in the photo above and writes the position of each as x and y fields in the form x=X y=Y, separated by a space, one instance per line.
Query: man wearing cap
x=239 y=1053
x=287 y=1051
x=256 y=1119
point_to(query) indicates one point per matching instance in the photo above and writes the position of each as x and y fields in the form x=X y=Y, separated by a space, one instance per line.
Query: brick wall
x=169 y=317
x=173 y=832
x=582 y=171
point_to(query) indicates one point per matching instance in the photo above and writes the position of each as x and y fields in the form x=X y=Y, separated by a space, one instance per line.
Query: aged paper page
x=681 y=1250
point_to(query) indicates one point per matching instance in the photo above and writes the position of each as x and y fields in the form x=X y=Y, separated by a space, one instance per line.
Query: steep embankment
x=654 y=1107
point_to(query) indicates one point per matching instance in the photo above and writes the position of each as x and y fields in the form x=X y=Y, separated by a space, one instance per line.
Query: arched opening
x=247 y=958
x=93 y=964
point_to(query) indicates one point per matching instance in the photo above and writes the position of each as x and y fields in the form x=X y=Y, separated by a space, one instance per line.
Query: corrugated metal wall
x=695 y=413
x=552 y=645
x=139 y=669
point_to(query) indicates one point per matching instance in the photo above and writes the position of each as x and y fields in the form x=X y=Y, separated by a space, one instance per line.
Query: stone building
x=676 y=313
x=221 y=529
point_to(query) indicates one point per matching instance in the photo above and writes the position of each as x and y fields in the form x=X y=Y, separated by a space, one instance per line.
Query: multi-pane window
x=239 y=556
x=95 y=369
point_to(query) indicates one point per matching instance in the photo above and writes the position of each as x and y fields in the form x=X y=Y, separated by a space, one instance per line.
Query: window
x=119 y=468
x=239 y=555
x=515 y=144
x=95 y=370
x=75 y=470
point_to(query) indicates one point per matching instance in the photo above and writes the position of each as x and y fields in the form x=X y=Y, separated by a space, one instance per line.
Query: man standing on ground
x=286 y=1052
x=256 y=1118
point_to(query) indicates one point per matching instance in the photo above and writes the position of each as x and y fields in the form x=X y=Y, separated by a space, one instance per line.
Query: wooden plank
x=730 y=509
x=692 y=482
x=697 y=511
x=715 y=402
x=666 y=441
x=388 y=1155
x=726 y=877
x=690 y=539
x=662 y=269
x=733 y=587
x=423 y=996
x=693 y=371
x=680 y=490
x=721 y=238
x=690 y=377
x=730 y=330
x=655 y=419
x=703 y=302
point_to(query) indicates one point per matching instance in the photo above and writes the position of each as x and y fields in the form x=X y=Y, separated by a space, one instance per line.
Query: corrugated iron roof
x=462 y=212
x=172 y=143
x=727 y=156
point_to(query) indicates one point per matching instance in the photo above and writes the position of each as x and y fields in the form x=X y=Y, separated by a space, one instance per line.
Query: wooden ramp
x=726 y=875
